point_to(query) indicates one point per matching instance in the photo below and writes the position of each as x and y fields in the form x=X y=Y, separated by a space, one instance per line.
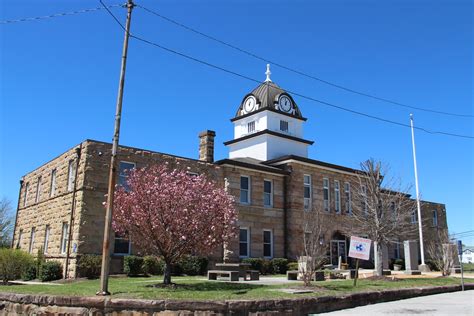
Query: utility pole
x=104 y=273
x=422 y=251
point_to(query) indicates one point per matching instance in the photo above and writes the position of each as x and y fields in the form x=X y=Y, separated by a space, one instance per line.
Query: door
x=338 y=249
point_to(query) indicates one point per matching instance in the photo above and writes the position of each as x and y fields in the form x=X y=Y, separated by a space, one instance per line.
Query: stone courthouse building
x=61 y=212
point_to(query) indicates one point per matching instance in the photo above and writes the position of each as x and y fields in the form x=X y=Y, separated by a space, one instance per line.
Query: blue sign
x=459 y=247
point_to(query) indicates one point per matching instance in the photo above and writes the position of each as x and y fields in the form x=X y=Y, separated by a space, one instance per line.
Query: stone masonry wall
x=51 y=210
x=254 y=215
x=88 y=223
x=95 y=188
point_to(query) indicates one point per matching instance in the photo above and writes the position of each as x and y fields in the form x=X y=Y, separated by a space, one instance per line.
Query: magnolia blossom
x=169 y=213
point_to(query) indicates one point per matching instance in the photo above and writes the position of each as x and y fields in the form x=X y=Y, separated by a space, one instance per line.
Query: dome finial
x=268 y=73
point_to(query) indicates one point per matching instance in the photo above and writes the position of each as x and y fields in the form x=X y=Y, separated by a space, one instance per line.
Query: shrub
x=50 y=271
x=280 y=265
x=152 y=265
x=12 y=263
x=193 y=265
x=267 y=267
x=39 y=261
x=432 y=265
x=293 y=266
x=89 y=266
x=30 y=272
x=255 y=263
x=133 y=265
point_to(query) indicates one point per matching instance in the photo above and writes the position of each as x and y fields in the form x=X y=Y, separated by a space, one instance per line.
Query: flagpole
x=422 y=251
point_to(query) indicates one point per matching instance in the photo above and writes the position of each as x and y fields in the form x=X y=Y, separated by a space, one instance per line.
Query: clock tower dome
x=268 y=124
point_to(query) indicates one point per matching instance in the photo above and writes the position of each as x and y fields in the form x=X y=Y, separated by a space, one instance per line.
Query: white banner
x=360 y=248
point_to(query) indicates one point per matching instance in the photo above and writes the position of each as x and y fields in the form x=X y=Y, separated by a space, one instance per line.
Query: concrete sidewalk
x=455 y=303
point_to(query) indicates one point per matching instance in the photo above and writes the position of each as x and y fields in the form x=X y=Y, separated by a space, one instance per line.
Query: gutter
x=17 y=211
x=73 y=208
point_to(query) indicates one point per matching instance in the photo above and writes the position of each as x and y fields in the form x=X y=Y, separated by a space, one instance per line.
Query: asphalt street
x=456 y=303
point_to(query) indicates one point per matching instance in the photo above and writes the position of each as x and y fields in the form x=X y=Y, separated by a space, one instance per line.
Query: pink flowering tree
x=169 y=213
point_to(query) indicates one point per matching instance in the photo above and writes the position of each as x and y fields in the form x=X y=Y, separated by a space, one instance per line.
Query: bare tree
x=6 y=223
x=442 y=252
x=382 y=209
x=314 y=253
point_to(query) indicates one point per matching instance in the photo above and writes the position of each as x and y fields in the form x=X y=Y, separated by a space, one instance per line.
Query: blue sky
x=59 y=82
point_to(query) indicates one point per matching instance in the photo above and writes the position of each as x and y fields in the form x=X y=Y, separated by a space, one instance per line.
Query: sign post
x=459 y=243
x=359 y=249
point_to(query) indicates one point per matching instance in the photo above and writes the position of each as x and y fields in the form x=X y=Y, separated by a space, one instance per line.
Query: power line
x=469 y=232
x=298 y=71
x=56 y=15
x=289 y=91
x=295 y=93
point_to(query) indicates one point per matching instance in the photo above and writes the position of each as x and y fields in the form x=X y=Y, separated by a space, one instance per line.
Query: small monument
x=411 y=257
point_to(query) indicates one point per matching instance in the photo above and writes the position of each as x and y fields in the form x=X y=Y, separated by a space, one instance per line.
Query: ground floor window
x=121 y=245
x=397 y=250
x=267 y=244
x=244 y=243
x=32 y=240
x=64 y=237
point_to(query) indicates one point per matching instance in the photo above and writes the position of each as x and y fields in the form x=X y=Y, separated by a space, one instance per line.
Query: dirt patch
x=383 y=278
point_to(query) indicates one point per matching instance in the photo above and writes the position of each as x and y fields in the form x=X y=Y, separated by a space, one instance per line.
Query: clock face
x=285 y=104
x=249 y=104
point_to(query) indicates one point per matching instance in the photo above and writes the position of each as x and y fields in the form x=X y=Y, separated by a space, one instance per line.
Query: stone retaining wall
x=25 y=304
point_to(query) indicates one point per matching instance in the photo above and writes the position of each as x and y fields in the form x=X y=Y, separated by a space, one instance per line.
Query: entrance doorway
x=338 y=249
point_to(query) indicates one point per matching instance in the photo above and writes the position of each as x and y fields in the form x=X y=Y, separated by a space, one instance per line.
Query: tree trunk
x=167 y=274
x=378 y=259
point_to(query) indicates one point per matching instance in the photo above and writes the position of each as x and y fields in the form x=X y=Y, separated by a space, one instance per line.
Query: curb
x=18 y=304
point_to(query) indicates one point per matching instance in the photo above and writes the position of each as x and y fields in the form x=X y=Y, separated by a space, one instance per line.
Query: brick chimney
x=206 y=146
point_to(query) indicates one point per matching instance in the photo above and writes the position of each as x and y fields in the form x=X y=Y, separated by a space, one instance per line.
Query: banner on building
x=360 y=248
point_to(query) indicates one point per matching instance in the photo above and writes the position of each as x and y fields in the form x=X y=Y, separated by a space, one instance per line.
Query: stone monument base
x=413 y=272
x=424 y=268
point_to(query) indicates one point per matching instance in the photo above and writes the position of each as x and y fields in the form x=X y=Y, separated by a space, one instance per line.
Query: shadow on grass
x=241 y=288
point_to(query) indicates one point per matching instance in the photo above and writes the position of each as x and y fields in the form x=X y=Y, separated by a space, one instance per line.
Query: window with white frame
x=284 y=126
x=267 y=193
x=337 y=196
x=348 y=197
x=244 y=242
x=20 y=236
x=245 y=190
x=124 y=170
x=71 y=175
x=267 y=243
x=38 y=190
x=64 y=237
x=435 y=218
x=307 y=191
x=414 y=218
x=397 y=250
x=121 y=245
x=25 y=197
x=364 y=199
x=326 y=194
x=46 y=239
x=32 y=239
x=251 y=127
x=52 y=189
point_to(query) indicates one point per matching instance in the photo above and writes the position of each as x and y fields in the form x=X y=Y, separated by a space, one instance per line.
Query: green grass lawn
x=196 y=288
x=468 y=267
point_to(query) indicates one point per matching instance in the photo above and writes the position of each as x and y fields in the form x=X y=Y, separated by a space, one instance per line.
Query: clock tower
x=268 y=124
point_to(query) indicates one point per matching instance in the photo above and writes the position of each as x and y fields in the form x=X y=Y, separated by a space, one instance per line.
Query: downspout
x=17 y=211
x=285 y=214
x=73 y=207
